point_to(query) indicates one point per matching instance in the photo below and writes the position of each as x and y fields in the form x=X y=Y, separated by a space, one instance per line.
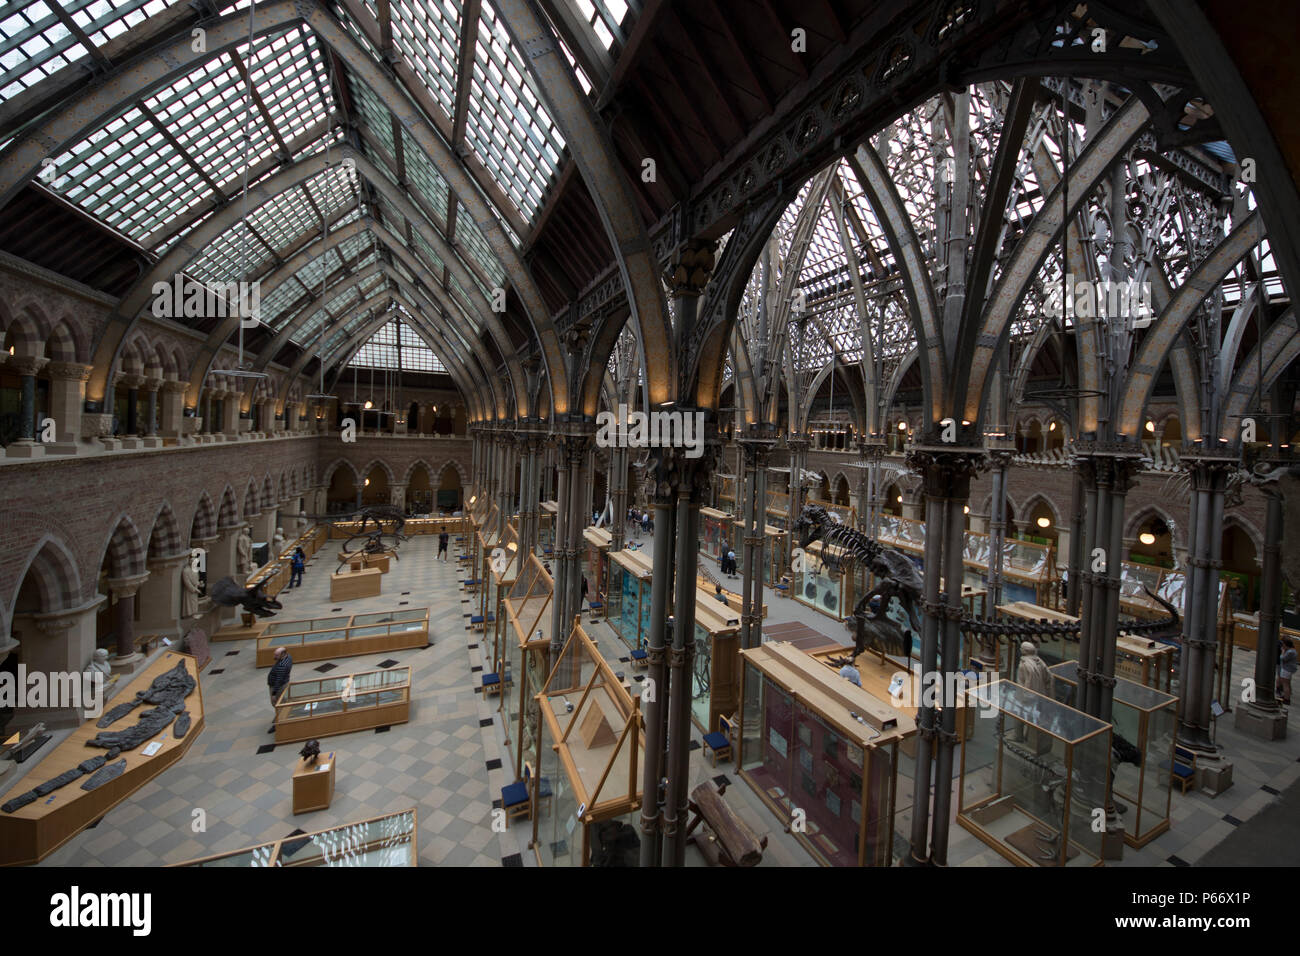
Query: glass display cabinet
x=715 y=532
x=1033 y=771
x=340 y=705
x=590 y=753
x=628 y=608
x=817 y=587
x=595 y=560
x=390 y=840
x=1147 y=719
x=547 y=521
x=802 y=750
x=715 y=681
x=322 y=639
x=522 y=651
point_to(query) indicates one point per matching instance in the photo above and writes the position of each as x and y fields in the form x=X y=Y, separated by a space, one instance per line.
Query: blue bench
x=491 y=683
x=640 y=659
x=718 y=743
x=595 y=606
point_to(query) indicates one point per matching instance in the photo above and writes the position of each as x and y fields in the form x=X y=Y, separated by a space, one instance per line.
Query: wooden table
x=1144 y=661
x=351 y=585
x=313 y=785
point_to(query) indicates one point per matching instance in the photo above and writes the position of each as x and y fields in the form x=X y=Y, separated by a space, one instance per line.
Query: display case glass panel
x=389 y=840
x=303 y=627
x=1033 y=772
x=817 y=587
x=1147 y=718
x=715 y=529
x=702 y=671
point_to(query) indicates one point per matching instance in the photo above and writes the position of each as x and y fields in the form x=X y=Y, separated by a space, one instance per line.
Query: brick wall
x=67 y=509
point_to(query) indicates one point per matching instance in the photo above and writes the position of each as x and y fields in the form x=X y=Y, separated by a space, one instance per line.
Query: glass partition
x=1032 y=776
x=389 y=840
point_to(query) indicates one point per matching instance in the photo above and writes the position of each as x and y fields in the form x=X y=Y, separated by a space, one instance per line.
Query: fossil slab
x=105 y=774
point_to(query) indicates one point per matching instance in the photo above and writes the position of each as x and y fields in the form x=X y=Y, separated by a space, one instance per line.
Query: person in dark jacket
x=442 y=546
x=296 y=565
x=278 y=679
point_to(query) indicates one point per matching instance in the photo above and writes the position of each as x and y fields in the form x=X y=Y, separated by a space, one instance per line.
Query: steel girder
x=594 y=153
x=1281 y=347
x=980 y=342
x=1165 y=331
x=873 y=177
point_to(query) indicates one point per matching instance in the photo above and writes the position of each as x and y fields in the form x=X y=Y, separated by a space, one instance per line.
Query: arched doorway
x=342 y=492
x=1241 y=565
x=419 y=491
x=375 y=489
x=449 y=490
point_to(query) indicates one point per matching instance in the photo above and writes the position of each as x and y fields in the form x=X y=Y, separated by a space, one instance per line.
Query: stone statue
x=243 y=552
x=277 y=543
x=1033 y=672
x=99 y=664
x=189 y=591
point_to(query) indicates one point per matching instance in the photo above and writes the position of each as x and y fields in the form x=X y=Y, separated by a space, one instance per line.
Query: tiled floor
x=437 y=762
x=450 y=761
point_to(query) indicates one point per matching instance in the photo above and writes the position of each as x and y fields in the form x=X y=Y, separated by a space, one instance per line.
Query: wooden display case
x=353 y=585
x=328 y=706
x=320 y=639
x=389 y=840
x=590 y=752
x=313 y=783
x=33 y=832
x=525 y=652
x=801 y=749
x=595 y=560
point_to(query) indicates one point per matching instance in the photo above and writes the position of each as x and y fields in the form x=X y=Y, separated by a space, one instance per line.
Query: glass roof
x=397 y=346
x=168 y=161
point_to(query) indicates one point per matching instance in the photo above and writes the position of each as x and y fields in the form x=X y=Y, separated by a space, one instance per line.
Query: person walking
x=278 y=679
x=1286 y=670
x=442 y=546
x=585 y=600
x=645 y=522
x=296 y=566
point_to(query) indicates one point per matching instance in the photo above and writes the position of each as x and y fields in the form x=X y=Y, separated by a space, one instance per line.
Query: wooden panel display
x=353 y=585
x=33 y=832
x=313 y=784
x=327 y=638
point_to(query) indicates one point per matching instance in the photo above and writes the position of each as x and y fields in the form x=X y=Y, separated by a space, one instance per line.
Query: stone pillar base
x=131 y=441
x=111 y=444
x=25 y=448
x=151 y=441
x=1214 y=774
x=127 y=665
x=1266 y=725
x=60 y=448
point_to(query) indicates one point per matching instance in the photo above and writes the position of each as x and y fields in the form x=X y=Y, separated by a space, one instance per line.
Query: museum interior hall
x=649 y=433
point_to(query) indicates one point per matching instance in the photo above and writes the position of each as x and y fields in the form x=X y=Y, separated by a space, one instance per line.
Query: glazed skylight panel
x=126 y=175
x=428 y=34
x=416 y=354
x=425 y=177
x=468 y=234
x=426 y=252
x=373 y=114
x=34 y=43
x=507 y=125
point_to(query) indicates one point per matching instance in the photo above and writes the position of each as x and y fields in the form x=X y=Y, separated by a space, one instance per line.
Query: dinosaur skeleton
x=897 y=577
x=229 y=594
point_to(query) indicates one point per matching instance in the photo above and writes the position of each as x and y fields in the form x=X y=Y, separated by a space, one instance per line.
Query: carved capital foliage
x=946 y=471
x=70 y=371
x=690 y=269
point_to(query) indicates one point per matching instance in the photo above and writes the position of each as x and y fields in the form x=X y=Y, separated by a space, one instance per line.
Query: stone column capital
x=27 y=364
x=70 y=371
x=128 y=586
x=151 y=384
x=56 y=622
x=130 y=381
x=168 y=562
x=174 y=386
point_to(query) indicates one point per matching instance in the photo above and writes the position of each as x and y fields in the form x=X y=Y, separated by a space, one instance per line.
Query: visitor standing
x=442 y=546
x=296 y=565
x=278 y=679
x=645 y=522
